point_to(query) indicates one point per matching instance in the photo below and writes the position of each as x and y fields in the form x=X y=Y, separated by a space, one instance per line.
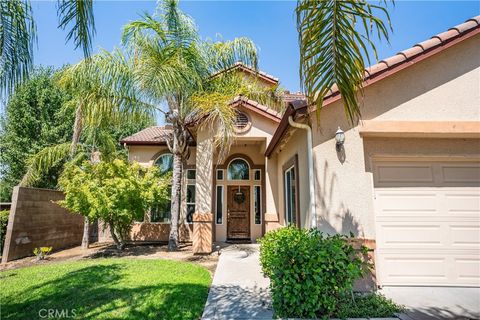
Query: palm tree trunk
x=86 y=233
x=77 y=130
x=175 y=201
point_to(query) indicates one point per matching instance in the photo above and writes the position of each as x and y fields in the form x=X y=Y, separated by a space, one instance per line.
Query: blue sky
x=271 y=25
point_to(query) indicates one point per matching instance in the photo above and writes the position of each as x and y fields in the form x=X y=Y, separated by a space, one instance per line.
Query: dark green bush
x=310 y=273
x=3 y=226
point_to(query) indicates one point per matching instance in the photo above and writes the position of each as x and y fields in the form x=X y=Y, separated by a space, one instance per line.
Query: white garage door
x=427 y=222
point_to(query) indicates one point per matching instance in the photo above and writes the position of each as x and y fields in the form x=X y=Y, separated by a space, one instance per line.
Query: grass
x=106 y=289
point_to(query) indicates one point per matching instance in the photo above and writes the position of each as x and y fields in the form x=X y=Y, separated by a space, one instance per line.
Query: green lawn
x=106 y=289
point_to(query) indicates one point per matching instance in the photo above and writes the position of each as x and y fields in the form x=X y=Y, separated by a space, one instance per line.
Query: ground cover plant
x=312 y=275
x=122 y=288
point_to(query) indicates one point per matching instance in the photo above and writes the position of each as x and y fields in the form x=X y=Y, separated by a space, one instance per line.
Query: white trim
x=186 y=176
x=223 y=175
x=222 y=204
x=285 y=192
x=260 y=204
x=254 y=172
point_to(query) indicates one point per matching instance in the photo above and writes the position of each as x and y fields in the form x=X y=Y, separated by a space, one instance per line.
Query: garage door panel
x=465 y=236
x=429 y=269
x=411 y=235
x=462 y=202
x=400 y=173
x=406 y=202
x=467 y=173
x=428 y=233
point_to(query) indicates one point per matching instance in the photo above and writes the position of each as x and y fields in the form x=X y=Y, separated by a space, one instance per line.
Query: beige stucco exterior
x=430 y=108
x=444 y=88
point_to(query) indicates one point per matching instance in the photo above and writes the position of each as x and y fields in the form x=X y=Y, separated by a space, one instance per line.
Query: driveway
x=436 y=302
x=239 y=290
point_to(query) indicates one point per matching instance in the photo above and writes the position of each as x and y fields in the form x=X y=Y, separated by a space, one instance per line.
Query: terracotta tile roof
x=258 y=73
x=420 y=49
x=288 y=96
x=156 y=135
x=257 y=107
x=387 y=67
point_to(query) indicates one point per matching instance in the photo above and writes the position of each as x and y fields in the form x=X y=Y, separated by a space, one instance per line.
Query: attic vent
x=242 y=122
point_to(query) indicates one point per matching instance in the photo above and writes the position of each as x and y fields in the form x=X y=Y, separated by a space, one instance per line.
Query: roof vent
x=242 y=122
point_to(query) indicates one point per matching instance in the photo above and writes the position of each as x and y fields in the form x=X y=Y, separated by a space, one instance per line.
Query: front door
x=238 y=212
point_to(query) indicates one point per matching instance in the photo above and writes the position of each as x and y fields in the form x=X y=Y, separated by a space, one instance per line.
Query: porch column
x=203 y=218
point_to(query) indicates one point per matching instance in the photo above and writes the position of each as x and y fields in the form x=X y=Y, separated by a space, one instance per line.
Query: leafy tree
x=33 y=119
x=180 y=73
x=115 y=192
x=334 y=37
x=18 y=35
x=101 y=101
x=41 y=114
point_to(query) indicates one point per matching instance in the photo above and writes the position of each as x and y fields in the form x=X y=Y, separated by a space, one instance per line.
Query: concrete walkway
x=239 y=290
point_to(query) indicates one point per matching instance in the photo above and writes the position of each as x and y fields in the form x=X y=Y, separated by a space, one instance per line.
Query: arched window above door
x=165 y=163
x=238 y=169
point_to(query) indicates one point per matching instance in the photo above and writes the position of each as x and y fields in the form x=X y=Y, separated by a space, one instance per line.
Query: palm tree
x=334 y=37
x=175 y=68
x=18 y=35
x=102 y=97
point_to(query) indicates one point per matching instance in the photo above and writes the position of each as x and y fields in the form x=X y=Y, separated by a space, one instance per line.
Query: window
x=238 y=169
x=219 y=205
x=161 y=212
x=220 y=174
x=191 y=174
x=190 y=202
x=165 y=163
x=257 y=208
x=257 y=175
x=290 y=196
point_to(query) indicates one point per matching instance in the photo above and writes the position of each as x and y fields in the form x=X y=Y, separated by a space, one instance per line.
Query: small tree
x=115 y=192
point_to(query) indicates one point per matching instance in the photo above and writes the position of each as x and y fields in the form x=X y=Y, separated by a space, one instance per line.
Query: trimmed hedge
x=310 y=273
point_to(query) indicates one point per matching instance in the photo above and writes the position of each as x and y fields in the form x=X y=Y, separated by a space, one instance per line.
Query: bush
x=3 y=226
x=115 y=192
x=366 y=306
x=42 y=252
x=310 y=273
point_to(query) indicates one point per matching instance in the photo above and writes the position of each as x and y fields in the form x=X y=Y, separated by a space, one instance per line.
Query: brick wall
x=36 y=221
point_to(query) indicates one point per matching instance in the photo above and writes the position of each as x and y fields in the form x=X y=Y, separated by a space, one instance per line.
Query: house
x=406 y=178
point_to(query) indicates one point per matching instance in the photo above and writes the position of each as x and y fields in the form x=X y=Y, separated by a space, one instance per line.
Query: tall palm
x=101 y=94
x=175 y=68
x=335 y=38
x=18 y=35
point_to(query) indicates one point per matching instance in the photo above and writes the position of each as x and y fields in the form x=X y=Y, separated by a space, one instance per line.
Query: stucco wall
x=443 y=87
x=296 y=146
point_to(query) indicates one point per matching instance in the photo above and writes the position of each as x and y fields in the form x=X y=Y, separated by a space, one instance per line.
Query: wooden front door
x=238 y=212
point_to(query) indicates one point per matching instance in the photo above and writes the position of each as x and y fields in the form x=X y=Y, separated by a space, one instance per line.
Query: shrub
x=115 y=192
x=366 y=306
x=310 y=273
x=3 y=226
x=42 y=252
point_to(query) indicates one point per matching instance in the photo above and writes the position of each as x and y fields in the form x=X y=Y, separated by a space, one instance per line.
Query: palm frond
x=41 y=162
x=224 y=54
x=17 y=37
x=334 y=38
x=78 y=15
